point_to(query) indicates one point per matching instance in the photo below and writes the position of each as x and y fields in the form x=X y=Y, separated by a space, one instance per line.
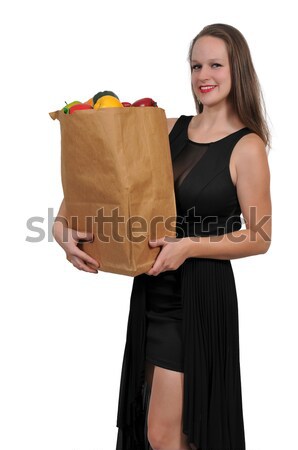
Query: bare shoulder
x=171 y=122
x=250 y=160
x=250 y=145
x=249 y=150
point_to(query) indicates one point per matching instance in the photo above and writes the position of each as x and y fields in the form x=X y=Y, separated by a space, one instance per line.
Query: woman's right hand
x=68 y=239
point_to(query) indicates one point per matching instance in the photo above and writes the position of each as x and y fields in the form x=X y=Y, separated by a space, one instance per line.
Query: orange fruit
x=89 y=102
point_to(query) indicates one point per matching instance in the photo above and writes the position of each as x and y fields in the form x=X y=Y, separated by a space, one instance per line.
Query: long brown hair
x=246 y=95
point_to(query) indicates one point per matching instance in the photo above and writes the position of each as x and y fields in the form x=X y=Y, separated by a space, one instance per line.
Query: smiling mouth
x=205 y=89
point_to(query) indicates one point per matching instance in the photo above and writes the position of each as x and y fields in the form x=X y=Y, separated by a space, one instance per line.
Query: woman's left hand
x=172 y=254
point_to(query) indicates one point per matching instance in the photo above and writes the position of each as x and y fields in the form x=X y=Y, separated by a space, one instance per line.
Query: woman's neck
x=216 y=120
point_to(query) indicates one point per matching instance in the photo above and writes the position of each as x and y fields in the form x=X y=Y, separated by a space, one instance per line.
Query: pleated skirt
x=209 y=343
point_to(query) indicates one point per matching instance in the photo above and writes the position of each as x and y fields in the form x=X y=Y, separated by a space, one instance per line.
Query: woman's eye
x=196 y=67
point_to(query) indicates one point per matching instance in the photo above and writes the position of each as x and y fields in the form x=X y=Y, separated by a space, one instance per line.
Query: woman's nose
x=204 y=73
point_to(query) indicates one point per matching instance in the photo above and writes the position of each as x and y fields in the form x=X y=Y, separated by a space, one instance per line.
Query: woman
x=180 y=384
x=192 y=394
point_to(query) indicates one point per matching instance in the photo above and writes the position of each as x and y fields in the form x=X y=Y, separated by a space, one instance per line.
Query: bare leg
x=165 y=409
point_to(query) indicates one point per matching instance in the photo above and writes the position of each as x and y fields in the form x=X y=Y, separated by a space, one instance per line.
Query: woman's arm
x=253 y=190
x=68 y=239
x=171 y=122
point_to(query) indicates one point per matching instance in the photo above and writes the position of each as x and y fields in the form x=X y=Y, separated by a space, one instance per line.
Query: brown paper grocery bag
x=118 y=183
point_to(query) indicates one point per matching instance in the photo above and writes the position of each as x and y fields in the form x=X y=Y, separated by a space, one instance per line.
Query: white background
x=62 y=332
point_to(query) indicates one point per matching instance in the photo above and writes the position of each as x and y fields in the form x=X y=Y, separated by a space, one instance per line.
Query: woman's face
x=210 y=71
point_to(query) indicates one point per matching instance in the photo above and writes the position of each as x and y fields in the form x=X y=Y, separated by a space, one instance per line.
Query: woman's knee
x=164 y=433
x=155 y=439
x=159 y=438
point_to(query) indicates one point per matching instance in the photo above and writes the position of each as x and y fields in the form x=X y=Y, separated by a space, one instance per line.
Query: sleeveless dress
x=187 y=320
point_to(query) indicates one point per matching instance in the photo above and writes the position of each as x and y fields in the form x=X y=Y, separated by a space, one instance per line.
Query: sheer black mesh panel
x=187 y=159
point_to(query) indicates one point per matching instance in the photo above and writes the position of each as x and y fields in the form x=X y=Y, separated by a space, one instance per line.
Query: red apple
x=126 y=104
x=145 y=102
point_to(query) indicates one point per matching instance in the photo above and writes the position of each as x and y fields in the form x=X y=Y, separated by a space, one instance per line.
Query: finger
x=155 y=269
x=171 y=239
x=79 y=264
x=153 y=272
x=76 y=252
x=86 y=258
x=156 y=243
x=84 y=236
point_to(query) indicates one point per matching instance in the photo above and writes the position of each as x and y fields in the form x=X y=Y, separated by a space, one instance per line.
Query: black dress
x=187 y=319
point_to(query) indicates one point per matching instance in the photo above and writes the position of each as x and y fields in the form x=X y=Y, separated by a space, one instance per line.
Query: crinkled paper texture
x=118 y=183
